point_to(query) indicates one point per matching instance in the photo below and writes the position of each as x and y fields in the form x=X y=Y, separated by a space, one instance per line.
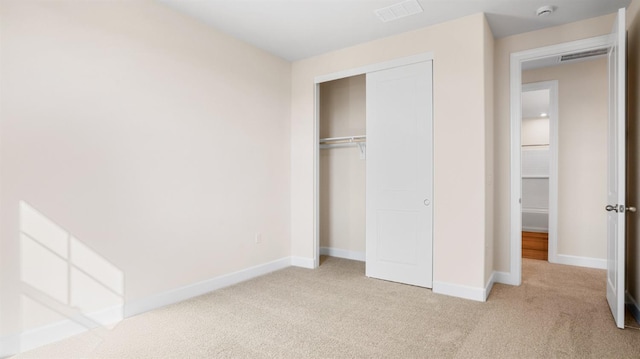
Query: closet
x=535 y=174
x=375 y=170
x=342 y=132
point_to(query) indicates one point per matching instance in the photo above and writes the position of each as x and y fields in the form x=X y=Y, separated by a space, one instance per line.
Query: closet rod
x=348 y=141
x=337 y=140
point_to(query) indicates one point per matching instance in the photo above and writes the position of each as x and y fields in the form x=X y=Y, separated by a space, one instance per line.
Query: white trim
x=535 y=229
x=302 y=262
x=536 y=210
x=633 y=307
x=489 y=286
x=554 y=121
x=592 y=43
x=461 y=291
x=581 y=261
x=193 y=290
x=13 y=344
x=107 y=316
x=316 y=176
x=9 y=345
x=342 y=253
x=503 y=278
x=534 y=177
x=426 y=56
x=34 y=338
x=375 y=67
x=51 y=333
x=515 y=267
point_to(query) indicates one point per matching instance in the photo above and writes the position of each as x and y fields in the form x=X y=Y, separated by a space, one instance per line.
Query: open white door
x=399 y=174
x=616 y=154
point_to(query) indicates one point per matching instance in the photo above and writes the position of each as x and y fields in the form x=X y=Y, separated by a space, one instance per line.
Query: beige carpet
x=336 y=312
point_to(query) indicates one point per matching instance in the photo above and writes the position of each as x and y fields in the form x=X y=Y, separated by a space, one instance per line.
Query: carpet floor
x=336 y=312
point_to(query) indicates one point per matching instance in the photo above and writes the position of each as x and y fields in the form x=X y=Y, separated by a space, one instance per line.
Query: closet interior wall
x=535 y=173
x=342 y=171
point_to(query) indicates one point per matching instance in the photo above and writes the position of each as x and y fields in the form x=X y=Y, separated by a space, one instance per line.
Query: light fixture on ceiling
x=545 y=10
x=399 y=10
x=544 y=114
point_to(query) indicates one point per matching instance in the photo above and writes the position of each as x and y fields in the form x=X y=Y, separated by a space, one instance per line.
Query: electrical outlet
x=258 y=238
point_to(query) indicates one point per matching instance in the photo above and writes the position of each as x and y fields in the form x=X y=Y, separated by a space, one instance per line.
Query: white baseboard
x=580 y=261
x=303 y=262
x=193 y=290
x=633 y=306
x=341 y=253
x=504 y=278
x=14 y=344
x=460 y=291
x=51 y=333
x=535 y=229
x=107 y=316
x=489 y=285
x=9 y=345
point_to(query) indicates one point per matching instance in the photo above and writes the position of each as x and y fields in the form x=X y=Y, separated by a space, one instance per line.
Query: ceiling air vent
x=399 y=10
x=582 y=55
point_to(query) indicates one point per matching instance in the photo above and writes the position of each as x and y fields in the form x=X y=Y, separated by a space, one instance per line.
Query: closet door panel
x=399 y=174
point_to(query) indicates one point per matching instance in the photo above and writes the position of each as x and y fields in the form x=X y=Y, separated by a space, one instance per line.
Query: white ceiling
x=297 y=29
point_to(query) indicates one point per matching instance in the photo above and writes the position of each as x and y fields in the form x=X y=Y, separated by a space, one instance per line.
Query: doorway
x=614 y=45
x=576 y=158
x=536 y=56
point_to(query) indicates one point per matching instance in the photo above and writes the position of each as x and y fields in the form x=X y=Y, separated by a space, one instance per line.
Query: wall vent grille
x=584 y=54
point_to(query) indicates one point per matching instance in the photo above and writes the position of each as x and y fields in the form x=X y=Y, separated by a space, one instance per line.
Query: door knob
x=611 y=208
x=631 y=209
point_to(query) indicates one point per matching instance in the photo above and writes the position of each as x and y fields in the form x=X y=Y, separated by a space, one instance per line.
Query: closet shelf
x=332 y=142
x=338 y=140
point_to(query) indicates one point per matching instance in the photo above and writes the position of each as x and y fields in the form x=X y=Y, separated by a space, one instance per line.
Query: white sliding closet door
x=400 y=174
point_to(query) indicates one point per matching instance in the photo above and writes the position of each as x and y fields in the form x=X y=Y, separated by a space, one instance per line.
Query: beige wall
x=459 y=78
x=535 y=131
x=489 y=50
x=157 y=142
x=342 y=171
x=503 y=49
x=633 y=175
x=582 y=154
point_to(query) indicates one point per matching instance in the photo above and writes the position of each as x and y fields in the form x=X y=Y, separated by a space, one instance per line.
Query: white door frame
x=552 y=86
x=316 y=131
x=515 y=233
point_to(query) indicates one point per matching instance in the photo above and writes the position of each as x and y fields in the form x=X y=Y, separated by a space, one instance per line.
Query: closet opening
x=342 y=167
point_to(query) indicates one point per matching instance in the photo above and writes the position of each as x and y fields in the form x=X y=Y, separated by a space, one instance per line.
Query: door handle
x=620 y=208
